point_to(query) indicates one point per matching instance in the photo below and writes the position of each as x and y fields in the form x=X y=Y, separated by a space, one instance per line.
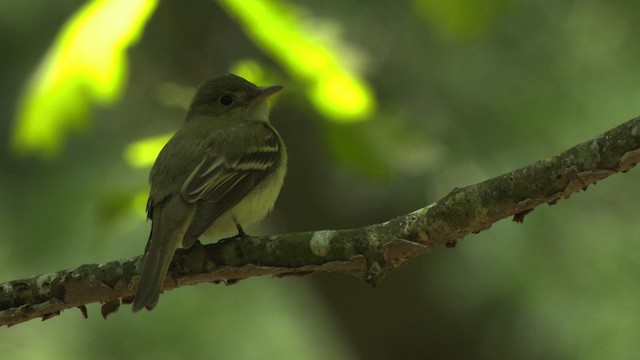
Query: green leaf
x=86 y=64
x=309 y=54
x=143 y=153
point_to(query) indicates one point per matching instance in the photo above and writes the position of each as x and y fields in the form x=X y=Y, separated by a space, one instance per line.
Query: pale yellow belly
x=251 y=209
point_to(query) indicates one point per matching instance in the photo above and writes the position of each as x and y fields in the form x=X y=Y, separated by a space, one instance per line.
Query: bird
x=222 y=169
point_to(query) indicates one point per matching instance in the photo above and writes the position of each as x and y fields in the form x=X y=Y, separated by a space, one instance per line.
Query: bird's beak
x=264 y=93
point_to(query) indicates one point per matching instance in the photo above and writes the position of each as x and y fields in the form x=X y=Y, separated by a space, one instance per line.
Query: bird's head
x=232 y=96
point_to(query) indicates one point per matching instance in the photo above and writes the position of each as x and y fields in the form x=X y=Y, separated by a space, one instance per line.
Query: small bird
x=223 y=168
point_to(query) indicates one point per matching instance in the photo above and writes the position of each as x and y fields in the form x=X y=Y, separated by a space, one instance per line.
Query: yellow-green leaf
x=143 y=153
x=336 y=91
x=86 y=64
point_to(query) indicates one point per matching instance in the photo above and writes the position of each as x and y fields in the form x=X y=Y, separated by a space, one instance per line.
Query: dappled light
x=85 y=65
x=336 y=91
x=143 y=153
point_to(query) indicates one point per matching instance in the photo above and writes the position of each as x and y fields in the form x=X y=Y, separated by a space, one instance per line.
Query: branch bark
x=369 y=252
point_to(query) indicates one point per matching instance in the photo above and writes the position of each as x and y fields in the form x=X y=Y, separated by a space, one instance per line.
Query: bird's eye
x=225 y=100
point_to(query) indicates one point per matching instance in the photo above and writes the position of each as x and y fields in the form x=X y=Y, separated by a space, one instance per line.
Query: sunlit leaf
x=336 y=92
x=143 y=153
x=86 y=64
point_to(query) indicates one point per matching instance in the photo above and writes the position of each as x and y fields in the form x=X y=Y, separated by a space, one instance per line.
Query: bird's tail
x=162 y=246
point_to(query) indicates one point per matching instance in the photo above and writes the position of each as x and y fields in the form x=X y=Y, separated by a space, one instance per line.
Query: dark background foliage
x=465 y=91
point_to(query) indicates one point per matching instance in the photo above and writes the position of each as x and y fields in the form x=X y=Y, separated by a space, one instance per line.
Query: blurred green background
x=387 y=107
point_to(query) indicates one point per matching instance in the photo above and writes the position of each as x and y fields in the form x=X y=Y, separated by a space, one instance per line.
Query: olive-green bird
x=223 y=168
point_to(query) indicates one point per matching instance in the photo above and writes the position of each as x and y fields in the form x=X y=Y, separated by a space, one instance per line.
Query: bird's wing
x=228 y=172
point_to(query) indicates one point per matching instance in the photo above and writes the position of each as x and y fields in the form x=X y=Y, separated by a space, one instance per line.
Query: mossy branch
x=370 y=251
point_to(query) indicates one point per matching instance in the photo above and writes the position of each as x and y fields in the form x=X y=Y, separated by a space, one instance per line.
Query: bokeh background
x=388 y=106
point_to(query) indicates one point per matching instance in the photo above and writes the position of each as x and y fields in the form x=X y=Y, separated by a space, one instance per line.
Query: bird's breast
x=253 y=207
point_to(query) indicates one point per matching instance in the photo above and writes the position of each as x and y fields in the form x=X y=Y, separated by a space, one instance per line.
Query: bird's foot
x=239 y=236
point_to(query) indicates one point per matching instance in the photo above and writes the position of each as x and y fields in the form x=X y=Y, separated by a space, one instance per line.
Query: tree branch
x=369 y=252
